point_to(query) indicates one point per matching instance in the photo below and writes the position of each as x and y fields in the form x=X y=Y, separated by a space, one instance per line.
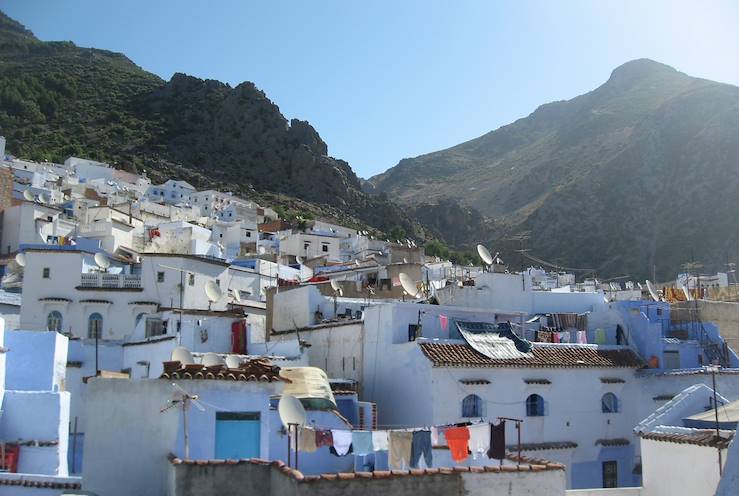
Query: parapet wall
x=232 y=477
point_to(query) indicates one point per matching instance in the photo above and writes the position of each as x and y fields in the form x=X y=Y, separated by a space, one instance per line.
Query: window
x=324 y=248
x=46 y=273
x=306 y=246
x=154 y=327
x=610 y=473
x=191 y=279
x=609 y=403
x=95 y=326
x=54 y=321
x=534 y=406
x=248 y=234
x=472 y=406
x=160 y=276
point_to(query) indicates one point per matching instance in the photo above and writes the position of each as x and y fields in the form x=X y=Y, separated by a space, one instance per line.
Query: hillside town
x=162 y=340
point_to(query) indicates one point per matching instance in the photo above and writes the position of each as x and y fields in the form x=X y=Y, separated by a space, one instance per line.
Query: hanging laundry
x=342 y=441
x=458 y=438
x=333 y=451
x=437 y=436
x=362 y=442
x=324 y=438
x=564 y=337
x=497 y=441
x=555 y=337
x=307 y=440
x=400 y=449
x=379 y=440
x=479 y=442
x=600 y=336
x=421 y=445
x=582 y=337
x=444 y=322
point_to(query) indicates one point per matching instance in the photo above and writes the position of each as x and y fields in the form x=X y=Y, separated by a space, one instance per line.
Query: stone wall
x=224 y=478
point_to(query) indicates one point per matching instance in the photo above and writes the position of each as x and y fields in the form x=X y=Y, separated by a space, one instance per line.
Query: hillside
x=57 y=100
x=636 y=173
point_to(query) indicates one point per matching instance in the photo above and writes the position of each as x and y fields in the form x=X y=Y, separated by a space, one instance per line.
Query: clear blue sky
x=383 y=80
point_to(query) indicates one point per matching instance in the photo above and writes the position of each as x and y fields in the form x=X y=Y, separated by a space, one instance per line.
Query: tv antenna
x=183 y=399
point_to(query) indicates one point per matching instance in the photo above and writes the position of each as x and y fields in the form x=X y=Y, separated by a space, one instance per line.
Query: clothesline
x=406 y=447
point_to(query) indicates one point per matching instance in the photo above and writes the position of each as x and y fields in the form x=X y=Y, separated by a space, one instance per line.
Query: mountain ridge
x=58 y=100
x=627 y=147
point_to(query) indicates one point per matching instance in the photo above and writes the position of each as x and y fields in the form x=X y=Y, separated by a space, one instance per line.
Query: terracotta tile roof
x=703 y=437
x=621 y=441
x=42 y=484
x=612 y=380
x=259 y=369
x=461 y=355
x=527 y=465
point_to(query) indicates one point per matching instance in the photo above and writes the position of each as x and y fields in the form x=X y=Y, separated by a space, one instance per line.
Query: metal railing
x=114 y=281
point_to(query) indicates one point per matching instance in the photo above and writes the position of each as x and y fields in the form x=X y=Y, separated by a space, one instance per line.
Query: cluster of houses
x=150 y=333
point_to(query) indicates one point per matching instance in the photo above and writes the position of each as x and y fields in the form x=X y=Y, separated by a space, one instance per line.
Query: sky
x=386 y=80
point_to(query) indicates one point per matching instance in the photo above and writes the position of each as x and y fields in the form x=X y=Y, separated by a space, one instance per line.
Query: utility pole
x=521 y=237
x=713 y=369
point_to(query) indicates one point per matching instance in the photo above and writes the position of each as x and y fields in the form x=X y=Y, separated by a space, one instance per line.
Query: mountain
x=636 y=175
x=57 y=100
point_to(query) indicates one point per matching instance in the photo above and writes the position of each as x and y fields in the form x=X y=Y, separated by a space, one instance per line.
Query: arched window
x=95 y=326
x=54 y=321
x=609 y=403
x=472 y=406
x=534 y=406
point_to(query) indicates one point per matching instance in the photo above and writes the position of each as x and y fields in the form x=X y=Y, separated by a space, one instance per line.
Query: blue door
x=237 y=435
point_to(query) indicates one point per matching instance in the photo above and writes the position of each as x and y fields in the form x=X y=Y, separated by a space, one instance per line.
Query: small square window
x=324 y=248
x=191 y=280
x=160 y=276
x=47 y=273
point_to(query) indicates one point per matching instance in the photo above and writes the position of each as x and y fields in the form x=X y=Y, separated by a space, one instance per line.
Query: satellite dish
x=484 y=255
x=211 y=359
x=356 y=262
x=20 y=259
x=340 y=291
x=408 y=285
x=405 y=260
x=652 y=291
x=102 y=261
x=236 y=296
x=27 y=195
x=335 y=285
x=233 y=362
x=43 y=198
x=300 y=260
x=687 y=294
x=182 y=355
x=213 y=291
x=291 y=411
x=261 y=250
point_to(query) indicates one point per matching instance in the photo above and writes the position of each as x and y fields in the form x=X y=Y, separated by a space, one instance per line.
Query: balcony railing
x=112 y=281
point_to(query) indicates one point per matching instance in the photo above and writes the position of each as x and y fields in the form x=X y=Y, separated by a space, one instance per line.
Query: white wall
x=544 y=483
x=669 y=469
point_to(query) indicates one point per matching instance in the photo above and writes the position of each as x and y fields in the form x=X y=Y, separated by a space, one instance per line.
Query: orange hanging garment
x=458 y=438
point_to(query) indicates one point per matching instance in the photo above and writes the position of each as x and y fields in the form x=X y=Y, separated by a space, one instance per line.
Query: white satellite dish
x=408 y=285
x=213 y=291
x=182 y=355
x=652 y=291
x=43 y=198
x=20 y=259
x=300 y=260
x=484 y=255
x=405 y=260
x=236 y=296
x=335 y=285
x=687 y=294
x=211 y=359
x=261 y=250
x=233 y=362
x=27 y=195
x=340 y=292
x=291 y=411
x=102 y=261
